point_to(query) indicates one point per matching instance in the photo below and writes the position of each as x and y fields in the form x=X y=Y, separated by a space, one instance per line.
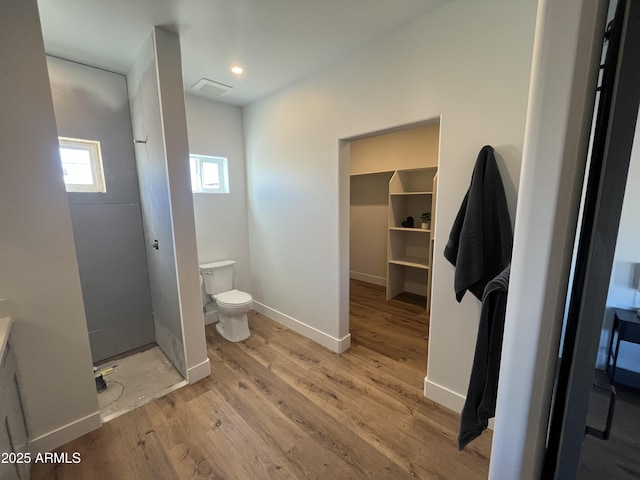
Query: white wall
x=368 y=232
x=38 y=268
x=623 y=291
x=215 y=129
x=469 y=62
x=409 y=147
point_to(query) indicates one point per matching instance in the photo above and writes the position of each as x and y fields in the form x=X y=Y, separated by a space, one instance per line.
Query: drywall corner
x=176 y=143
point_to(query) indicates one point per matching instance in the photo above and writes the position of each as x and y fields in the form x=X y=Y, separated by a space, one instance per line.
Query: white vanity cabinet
x=14 y=460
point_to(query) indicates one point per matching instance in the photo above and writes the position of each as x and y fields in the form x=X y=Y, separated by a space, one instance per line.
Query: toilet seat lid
x=233 y=297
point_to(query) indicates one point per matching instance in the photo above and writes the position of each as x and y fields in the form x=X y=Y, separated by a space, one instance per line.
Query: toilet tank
x=218 y=276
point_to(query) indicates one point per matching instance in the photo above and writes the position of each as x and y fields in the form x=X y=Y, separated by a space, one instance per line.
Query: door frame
x=604 y=197
x=566 y=59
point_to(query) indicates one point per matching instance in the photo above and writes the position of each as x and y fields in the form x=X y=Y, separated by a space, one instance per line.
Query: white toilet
x=233 y=305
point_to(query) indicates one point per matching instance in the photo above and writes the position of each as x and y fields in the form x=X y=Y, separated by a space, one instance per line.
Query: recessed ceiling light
x=237 y=70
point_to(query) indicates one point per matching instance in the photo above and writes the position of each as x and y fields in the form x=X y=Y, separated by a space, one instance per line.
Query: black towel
x=480 y=404
x=481 y=238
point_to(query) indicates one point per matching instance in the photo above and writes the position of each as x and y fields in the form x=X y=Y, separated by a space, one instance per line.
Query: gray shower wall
x=93 y=104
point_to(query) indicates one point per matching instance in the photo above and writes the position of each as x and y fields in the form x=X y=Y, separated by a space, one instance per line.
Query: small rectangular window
x=209 y=174
x=81 y=165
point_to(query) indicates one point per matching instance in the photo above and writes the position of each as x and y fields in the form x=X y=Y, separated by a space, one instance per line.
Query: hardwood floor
x=616 y=457
x=280 y=406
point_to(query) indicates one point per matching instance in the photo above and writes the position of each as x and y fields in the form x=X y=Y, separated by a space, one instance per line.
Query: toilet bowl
x=233 y=305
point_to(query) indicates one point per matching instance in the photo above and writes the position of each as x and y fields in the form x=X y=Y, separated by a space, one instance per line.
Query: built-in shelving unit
x=410 y=250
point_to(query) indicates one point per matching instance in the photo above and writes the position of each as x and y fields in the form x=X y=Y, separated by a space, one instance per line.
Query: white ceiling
x=276 y=41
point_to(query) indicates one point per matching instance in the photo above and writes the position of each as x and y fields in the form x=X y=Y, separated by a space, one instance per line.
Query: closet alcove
x=394 y=176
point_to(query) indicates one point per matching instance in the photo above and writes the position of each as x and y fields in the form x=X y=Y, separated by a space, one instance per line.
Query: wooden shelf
x=410 y=193
x=415 y=262
x=403 y=229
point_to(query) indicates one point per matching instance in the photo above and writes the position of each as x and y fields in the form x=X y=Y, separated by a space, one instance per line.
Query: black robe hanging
x=480 y=404
x=481 y=238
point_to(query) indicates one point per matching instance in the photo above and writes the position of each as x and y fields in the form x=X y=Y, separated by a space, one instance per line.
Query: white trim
x=337 y=345
x=365 y=277
x=443 y=395
x=66 y=433
x=447 y=398
x=198 y=372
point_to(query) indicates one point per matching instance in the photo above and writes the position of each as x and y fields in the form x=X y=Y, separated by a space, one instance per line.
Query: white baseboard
x=64 y=434
x=365 y=277
x=448 y=398
x=198 y=372
x=337 y=345
x=443 y=396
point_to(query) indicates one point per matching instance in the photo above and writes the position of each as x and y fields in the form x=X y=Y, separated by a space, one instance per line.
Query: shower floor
x=136 y=380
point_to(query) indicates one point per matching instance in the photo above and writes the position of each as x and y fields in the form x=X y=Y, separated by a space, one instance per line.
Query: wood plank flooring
x=280 y=406
x=616 y=457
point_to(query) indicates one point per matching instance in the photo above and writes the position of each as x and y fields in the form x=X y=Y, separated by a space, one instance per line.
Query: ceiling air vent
x=211 y=89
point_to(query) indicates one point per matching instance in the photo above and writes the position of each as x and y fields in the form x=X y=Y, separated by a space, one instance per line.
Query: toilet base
x=233 y=329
